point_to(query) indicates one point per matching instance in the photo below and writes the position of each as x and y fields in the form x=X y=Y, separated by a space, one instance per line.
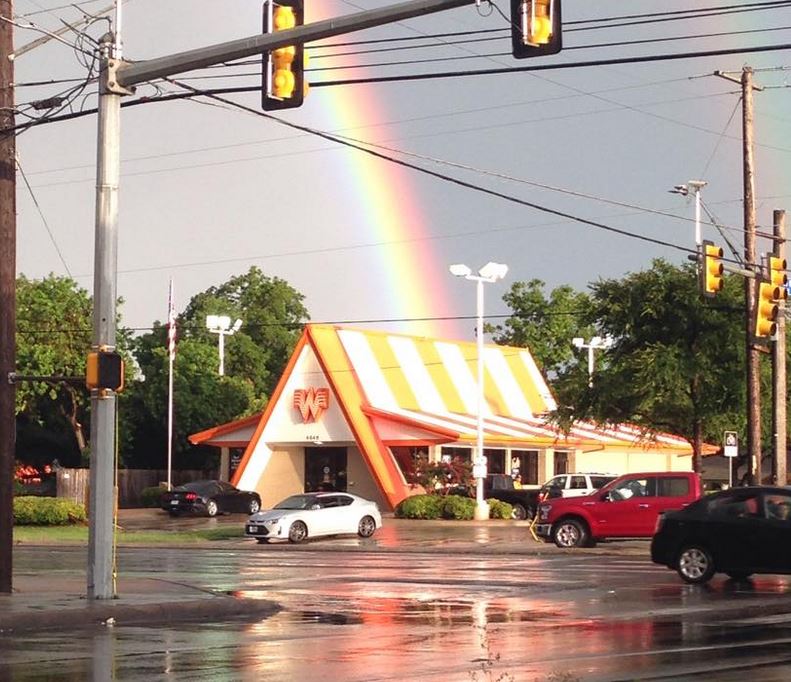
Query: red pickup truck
x=627 y=507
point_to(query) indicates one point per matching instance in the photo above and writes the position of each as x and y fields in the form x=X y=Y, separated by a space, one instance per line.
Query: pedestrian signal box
x=104 y=370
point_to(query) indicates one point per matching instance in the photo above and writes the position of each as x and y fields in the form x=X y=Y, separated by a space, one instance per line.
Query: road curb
x=115 y=612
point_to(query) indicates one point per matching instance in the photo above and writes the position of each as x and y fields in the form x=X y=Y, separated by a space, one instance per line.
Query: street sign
x=731 y=444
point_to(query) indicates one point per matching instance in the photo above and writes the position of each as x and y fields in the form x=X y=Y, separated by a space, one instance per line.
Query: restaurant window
x=495 y=460
x=447 y=454
x=561 y=463
x=524 y=463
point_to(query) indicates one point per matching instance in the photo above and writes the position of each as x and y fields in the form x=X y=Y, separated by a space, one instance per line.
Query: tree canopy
x=676 y=363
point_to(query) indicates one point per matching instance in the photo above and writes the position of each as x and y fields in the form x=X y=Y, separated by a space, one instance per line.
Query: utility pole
x=752 y=353
x=750 y=257
x=7 y=293
x=117 y=78
x=779 y=389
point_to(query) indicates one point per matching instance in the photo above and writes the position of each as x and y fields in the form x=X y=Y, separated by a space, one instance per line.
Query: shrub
x=419 y=507
x=459 y=508
x=47 y=511
x=499 y=509
x=149 y=497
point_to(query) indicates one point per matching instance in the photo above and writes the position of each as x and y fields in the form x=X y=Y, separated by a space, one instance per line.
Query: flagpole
x=171 y=354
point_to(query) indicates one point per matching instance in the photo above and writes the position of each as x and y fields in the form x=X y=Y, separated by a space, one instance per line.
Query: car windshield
x=297 y=502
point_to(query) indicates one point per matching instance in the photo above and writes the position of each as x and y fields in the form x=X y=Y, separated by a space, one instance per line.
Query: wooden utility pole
x=753 y=354
x=779 y=389
x=7 y=292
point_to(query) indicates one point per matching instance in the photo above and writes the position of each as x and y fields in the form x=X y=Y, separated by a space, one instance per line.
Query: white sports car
x=309 y=515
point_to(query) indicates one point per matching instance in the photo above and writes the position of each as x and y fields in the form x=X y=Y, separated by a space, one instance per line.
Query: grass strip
x=53 y=535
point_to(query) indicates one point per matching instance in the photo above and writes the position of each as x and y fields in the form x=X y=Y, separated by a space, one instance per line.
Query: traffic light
x=711 y=269
x=535 y=28
x=284 y=68
x=777 y=275
x=104 y=370
x=766 y=309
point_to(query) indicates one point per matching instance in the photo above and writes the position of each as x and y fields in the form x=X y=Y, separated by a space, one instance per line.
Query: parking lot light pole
x=221 y=325
x=491 y=272
x=595 y=342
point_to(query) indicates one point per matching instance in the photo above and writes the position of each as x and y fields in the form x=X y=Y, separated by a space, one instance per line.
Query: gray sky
x=208 y=190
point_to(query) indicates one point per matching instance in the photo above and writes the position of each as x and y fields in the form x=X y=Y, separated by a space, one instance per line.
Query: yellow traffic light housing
x=777 y=275
x=104 y=370
x=284 y=68
x=766 y=310
x=535 y=28
x=711 y=269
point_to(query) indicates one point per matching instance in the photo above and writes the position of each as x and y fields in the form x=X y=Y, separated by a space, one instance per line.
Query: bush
x=459 y=508
x=149 y=497
x=499 y=509
x=419 y=507
x=47 y=511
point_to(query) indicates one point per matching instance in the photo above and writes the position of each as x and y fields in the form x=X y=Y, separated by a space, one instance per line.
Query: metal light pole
x=595 y=342
x=491 y=272
x=221 y=325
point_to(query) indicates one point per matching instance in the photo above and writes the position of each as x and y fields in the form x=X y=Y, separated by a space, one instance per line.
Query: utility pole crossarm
x=130 y=74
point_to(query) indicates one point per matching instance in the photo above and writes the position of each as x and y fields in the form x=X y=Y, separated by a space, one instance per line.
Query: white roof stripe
x=367 y=367
x=416 y=374
x=512 y=394
x=459 y=371
x=538 y=380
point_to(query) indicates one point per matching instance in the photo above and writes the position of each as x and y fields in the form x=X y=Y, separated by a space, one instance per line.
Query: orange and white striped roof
x=434 y=383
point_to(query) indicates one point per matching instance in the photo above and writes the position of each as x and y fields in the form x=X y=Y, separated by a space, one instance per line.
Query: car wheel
x=366 y=527
x=518 y=512
x=695 y=565
x=298 y=532
x=738 y=576
x=570 y=533
x=212 y=508
x=254 y=506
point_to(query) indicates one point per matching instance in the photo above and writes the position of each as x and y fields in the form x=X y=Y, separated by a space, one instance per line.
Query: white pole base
x=481 y=511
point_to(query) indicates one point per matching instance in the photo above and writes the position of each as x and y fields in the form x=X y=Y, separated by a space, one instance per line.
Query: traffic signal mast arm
x=130 y=74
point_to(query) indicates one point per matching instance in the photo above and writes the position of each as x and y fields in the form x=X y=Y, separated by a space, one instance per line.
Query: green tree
x=545 y=324
x=54 y=333
x=201 y=399
x=254 y=358
x=272 y=315
x=677 y=361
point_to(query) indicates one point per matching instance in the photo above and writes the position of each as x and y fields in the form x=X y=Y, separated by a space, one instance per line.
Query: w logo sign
x=311 y=402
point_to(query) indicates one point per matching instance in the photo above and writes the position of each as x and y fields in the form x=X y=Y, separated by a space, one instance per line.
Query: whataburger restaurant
x=355 y=407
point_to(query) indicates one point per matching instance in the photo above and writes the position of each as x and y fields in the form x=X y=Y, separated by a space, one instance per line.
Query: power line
x=436 y=75
x=43 y=219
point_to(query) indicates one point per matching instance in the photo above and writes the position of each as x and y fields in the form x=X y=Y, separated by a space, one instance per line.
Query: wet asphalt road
x=367 y=616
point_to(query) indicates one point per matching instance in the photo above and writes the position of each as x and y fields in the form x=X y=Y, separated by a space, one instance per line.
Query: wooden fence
x=73 y=483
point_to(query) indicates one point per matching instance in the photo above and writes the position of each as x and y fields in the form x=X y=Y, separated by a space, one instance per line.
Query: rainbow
x=409 y=266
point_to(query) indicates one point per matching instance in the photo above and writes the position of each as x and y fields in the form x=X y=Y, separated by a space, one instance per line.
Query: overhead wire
x=43 y=218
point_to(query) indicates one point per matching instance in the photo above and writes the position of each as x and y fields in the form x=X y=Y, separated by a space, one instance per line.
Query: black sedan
x=210 y=498
x=738 y=532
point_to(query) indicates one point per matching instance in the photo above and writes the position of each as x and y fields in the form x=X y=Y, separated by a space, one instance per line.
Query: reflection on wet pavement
x=368 y=617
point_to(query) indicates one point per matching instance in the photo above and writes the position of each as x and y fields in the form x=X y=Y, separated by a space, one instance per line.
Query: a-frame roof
x=431 y=386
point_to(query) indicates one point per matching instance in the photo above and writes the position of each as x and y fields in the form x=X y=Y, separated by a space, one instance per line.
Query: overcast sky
x=208 y=190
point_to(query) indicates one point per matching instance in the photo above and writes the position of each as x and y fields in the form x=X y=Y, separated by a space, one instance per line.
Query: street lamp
x=491 y=272
x=595 y=342
x=221 y=325
x=684 y=190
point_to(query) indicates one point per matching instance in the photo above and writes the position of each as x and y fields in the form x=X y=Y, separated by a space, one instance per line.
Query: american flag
x=171 y=324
